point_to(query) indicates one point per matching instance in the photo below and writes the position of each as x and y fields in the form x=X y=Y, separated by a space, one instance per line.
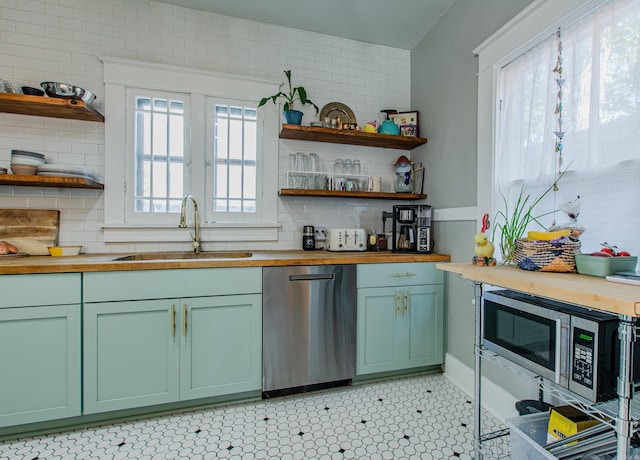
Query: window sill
x=227 y=232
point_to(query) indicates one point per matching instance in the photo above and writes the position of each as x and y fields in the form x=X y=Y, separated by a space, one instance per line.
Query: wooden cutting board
x=32 y=231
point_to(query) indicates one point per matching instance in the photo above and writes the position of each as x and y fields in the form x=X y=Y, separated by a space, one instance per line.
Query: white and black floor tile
x=425 y=417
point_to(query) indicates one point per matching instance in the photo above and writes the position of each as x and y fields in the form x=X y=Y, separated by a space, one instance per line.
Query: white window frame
x=210 y=166
x=540 y=19
x=129 y=168
x=197 y=85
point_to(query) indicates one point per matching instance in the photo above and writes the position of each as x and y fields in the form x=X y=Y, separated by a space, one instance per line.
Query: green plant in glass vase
x=295 y=92
x=512 y=223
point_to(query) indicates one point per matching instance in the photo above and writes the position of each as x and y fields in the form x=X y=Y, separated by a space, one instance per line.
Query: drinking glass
x=356 y=167
x=348 y=167
x=292 y=161
x=314 y=162
x=338 y=174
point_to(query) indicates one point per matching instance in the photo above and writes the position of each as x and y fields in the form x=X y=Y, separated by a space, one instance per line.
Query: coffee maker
x=412 y=228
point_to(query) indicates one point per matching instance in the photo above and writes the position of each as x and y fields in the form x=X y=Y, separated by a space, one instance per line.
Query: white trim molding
x=197 y=85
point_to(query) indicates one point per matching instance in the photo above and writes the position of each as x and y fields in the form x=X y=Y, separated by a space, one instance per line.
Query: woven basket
x=545 y=256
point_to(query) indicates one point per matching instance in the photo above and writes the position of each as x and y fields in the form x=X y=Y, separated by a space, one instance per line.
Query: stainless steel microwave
x=573 y=346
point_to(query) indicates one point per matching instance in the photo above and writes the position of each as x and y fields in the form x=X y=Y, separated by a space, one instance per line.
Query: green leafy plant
x=512 y=223
x=297 y=92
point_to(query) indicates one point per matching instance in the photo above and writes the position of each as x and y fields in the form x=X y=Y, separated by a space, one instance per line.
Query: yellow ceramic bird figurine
x=482 y=246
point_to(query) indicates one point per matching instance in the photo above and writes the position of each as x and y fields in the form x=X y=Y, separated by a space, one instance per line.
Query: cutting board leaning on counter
x=28 y=231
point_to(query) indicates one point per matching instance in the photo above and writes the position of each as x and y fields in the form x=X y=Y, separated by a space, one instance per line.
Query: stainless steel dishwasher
x=308 y=328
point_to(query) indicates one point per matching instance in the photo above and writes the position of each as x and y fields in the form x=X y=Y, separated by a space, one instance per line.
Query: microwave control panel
x=583 y=357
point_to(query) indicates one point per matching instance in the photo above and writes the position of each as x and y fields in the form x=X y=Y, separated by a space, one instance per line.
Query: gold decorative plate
x=334 y=110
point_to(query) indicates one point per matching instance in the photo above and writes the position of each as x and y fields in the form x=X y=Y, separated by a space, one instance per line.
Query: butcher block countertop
x=589 y=291
x=106 y=262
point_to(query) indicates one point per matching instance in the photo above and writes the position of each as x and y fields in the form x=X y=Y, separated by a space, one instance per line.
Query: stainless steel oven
x=575 y=347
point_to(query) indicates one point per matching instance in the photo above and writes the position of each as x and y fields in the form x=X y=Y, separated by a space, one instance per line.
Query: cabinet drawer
x=161 y=284
x=41 y=289
x=399 y=274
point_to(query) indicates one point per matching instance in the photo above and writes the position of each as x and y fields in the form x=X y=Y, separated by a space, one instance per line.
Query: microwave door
x=531 y=336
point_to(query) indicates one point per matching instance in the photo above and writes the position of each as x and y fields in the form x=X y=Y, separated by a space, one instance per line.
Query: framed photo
x=408 y=123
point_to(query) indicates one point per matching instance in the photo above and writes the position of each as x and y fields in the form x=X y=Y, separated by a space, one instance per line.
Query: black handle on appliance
x=313 y=277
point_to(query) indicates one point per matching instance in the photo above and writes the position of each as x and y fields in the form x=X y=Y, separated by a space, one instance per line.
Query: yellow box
x=565 y=421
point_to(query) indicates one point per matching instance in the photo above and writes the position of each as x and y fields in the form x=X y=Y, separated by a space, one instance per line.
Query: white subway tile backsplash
x=60 y=40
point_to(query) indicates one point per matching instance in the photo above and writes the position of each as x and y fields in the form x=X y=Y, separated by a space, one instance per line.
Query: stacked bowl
x=25 y=163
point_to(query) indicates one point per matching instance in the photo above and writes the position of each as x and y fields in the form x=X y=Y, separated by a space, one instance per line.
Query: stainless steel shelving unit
x=622 y=413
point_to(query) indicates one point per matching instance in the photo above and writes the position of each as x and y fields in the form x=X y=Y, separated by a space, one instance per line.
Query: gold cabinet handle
x=184 y=332
x=173 y=320
x=406 y=303
x=398 y=302
x=396 y=275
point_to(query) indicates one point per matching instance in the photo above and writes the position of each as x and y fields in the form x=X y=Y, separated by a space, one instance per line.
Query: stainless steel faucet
x=196 y=243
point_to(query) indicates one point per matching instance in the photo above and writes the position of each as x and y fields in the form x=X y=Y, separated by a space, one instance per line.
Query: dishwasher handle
x=313 y=277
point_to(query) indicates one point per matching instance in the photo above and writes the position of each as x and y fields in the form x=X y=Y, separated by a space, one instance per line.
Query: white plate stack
x=25 y=163
x=59 y=170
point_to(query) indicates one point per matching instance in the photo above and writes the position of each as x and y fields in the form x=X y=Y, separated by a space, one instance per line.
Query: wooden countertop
x=589 y=291
x=106 y=262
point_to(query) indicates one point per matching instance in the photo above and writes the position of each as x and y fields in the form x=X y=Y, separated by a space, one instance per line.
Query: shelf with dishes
x=67 y=181
x=75 y=109
x=350 y=137
x=352 y=194
x=31 y=169
x=325 y=184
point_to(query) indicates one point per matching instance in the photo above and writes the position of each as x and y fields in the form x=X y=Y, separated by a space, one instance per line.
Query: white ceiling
x=395 y=23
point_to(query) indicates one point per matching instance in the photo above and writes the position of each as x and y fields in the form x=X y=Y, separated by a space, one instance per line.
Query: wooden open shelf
x=341 y=194
x=341 y=136
x=49 y=181
x=48 y=107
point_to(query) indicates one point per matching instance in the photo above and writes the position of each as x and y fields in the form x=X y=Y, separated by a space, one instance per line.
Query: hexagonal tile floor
x=424 y=417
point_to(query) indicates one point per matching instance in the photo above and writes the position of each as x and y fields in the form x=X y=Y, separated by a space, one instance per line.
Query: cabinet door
x=424 y=322
x=39 y=363
x=131 y=354
x=379 y=315
x=221 y=345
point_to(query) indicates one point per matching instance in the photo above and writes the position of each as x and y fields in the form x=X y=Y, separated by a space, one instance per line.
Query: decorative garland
x=558 y=132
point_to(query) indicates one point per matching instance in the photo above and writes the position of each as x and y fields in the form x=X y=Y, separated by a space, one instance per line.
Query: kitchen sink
x=185 y=255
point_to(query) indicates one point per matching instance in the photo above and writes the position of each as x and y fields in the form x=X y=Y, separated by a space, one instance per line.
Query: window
x=601 y=107
x=159 y=153
x=234 y=157
x=188 y=132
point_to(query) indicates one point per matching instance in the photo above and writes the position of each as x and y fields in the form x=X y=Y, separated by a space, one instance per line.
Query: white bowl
x=27 y=153
x=23 y=160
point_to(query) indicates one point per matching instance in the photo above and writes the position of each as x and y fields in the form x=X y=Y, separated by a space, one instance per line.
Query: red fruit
x=601 y=254
x=624 y=254
x=608 y=251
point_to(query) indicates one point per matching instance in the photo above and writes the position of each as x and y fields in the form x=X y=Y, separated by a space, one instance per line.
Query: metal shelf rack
x=622 y=413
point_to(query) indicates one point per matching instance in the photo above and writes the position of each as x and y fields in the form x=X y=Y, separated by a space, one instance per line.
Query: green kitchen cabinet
x=146 y=351
x=39 y=348
x=400 y=317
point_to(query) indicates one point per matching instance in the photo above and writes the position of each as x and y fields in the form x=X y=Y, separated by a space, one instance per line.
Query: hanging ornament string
x=558 y=112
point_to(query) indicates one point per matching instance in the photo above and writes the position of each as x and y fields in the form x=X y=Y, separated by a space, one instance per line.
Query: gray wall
x=444 y=90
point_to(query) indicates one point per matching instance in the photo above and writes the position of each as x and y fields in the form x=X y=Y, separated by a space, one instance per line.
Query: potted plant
x=512 y=223
x=291 y=116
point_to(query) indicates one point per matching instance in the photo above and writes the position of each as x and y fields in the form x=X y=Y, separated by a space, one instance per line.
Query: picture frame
x=407 y=122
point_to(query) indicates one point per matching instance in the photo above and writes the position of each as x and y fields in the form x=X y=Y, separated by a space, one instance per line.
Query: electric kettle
x=389 y=127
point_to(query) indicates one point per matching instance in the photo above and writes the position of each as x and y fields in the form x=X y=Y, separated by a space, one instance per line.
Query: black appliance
x=412 y=230
x=573 y=346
